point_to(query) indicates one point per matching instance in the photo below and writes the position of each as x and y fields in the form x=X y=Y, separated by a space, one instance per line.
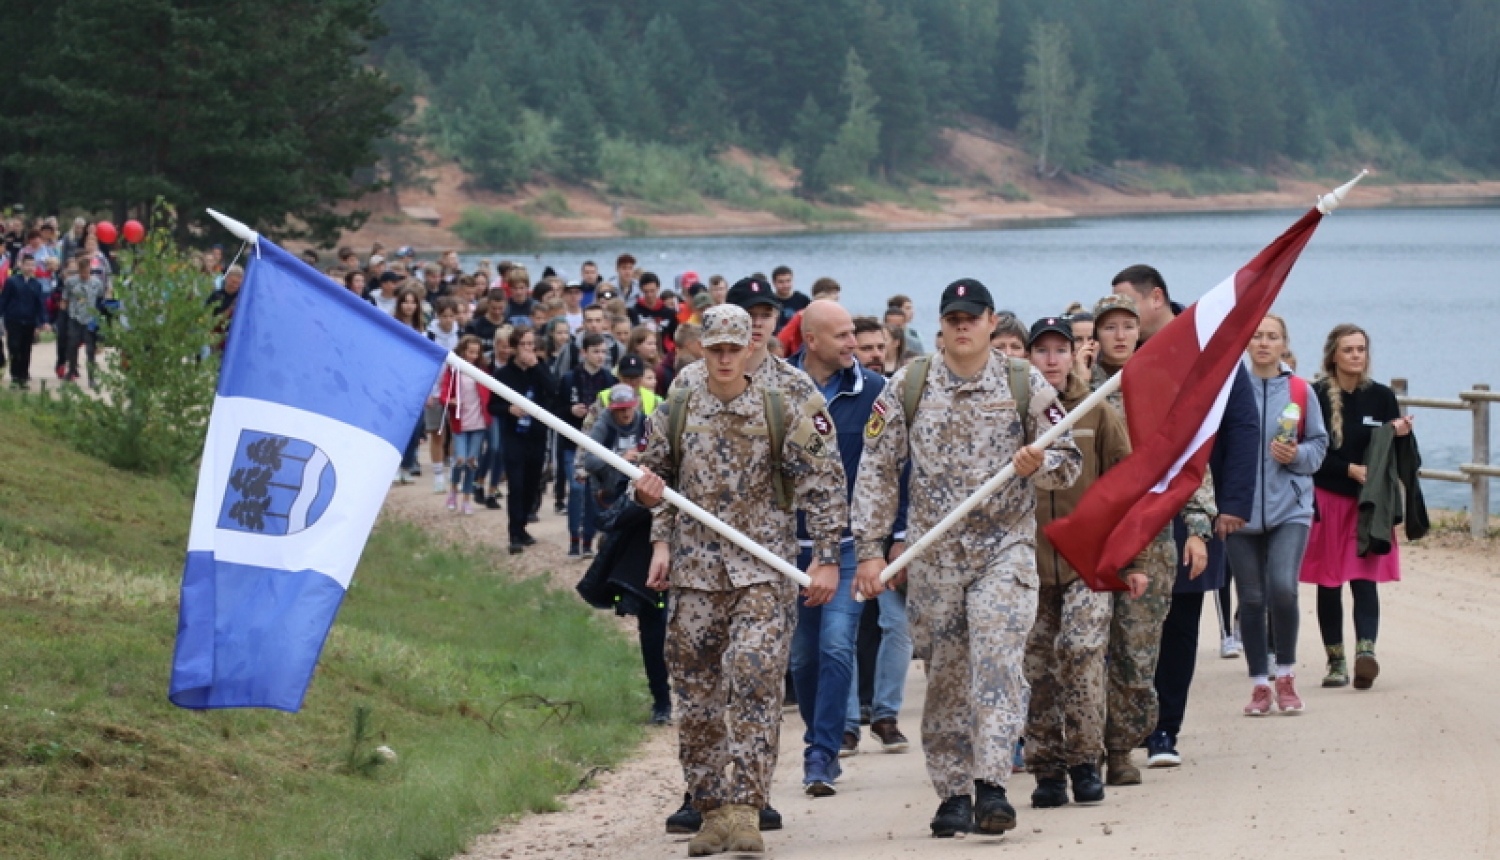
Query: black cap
x=631 y=365
x=749 y=292
x=1056 y=325
x=966 y=295
x=392 y=278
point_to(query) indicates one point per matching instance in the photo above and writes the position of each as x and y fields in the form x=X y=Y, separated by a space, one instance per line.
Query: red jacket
x=449 y=396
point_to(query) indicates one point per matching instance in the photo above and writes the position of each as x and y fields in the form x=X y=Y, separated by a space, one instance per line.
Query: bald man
x=823 y=646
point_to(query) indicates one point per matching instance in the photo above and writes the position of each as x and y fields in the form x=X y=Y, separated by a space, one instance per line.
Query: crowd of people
x=53 y=283
x=830 y=438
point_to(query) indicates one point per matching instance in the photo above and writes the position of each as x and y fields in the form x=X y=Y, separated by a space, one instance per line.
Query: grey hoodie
x=1284 y=494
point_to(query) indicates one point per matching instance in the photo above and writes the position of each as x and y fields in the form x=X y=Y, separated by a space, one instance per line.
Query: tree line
x=282 y=109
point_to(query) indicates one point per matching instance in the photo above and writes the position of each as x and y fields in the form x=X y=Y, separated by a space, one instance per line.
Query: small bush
x=550 y=202
x=635 y=227
x=498 y=230
x=1013 y=193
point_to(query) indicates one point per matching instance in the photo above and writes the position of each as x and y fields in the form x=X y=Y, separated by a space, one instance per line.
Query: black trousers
x=20 y=337
x=1366 y=612
x=523 y=473
x=652 y=624
x=1179 y=657
x=867 y=650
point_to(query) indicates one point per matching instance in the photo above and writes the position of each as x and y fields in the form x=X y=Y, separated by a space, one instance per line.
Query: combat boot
x=993 y=813
x=713 y=837
x=686 y=819
x=743 y=831
x=1366 y=668
x=1087 y=787
x=954 y=815
x=1122 y=771
x=1051 y=787
x=1338 y=667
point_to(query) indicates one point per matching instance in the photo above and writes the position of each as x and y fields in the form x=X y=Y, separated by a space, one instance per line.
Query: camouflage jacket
x=963 y=433
x=726 y=470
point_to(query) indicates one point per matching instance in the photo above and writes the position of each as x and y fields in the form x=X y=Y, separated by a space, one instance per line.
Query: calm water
x=1424 y=282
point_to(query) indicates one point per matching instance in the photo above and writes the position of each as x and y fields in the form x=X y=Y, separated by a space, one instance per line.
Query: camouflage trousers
x=1134 y=645
x=1065 y=667
x=727 y=653
x=971 y=621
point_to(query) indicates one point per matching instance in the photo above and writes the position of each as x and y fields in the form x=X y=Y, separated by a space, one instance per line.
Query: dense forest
x=286 y=110
x=854 y=86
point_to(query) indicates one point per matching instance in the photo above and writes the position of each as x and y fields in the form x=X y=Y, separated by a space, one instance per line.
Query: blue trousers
x=822 y=660
x=583 y=508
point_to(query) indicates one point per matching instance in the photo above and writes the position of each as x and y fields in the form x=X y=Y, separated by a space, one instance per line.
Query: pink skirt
x=1332 y=557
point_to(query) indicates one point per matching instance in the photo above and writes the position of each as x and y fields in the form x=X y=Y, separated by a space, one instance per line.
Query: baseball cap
x=631 y=365
x=749 y=292
x=392 y=278
x=622 y=396
x=726 y=324
x=1056 y=325
x=606 y=293
x=966 y=295
x=1114 y=302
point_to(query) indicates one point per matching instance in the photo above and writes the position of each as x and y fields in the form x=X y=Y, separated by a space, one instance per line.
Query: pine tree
x=1159 y=121
x=1055 y=110
x=580 y=138
x=811 y=133
x=857 y=143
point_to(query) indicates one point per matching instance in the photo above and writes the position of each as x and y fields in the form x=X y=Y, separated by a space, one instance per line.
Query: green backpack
x=775 y=403
x=916 y=383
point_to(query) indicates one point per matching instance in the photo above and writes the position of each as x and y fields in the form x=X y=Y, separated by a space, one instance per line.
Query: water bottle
x=524 y=422
x=1286 y=427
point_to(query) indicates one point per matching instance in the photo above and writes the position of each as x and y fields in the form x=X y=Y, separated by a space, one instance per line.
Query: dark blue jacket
x=24 y=301
x=850 y=408
x=1233 y=464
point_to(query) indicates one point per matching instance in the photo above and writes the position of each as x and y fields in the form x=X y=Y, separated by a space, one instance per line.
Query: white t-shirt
x=386 y=305
x=446 y=339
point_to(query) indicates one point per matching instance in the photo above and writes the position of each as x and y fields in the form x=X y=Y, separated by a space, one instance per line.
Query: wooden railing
x=1478 y=471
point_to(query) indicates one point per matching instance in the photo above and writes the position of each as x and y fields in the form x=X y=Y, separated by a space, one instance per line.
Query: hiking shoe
x=1161 y=750
x=452 y=501
x=1286 y=695
x=954 y=815
x=889 y=735
x=1230 y=647
x=1087 y=786
x=1121 y=770
x=661 y=715
x=1366 y=667
x=743 y=830
x=850 y=745
x=770 y=819
x=817 y=779
x=992 y=812
x=1338 y=667
x=713 y=836
x=686 y=819
x=1051 y=791
x=1260 y=701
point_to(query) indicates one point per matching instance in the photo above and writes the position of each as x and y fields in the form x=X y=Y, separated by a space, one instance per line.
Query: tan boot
x=1122 y=771
x=744 y=830
x=713 y=836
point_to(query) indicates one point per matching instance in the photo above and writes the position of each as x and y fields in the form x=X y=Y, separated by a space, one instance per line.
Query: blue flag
x=317 y=398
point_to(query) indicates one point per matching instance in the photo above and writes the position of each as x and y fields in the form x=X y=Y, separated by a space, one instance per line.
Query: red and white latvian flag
x=1175 y=390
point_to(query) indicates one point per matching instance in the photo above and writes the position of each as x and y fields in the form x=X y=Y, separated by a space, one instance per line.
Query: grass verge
x=449 y=663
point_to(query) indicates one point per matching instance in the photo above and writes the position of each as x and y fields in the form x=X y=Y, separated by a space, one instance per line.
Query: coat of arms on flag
x=277 y=485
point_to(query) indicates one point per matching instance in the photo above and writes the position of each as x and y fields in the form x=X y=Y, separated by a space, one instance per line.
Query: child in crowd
x=467 y=406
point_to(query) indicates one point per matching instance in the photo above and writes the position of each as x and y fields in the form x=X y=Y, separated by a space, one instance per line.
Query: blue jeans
x=891 y=663
x=1265 y=574
x=465 y=448
x=583 y=508
x=823 y=658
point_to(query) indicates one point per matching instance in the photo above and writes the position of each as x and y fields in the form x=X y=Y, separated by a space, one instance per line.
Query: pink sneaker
x=1260 y=701
x=468 y=508
x=452 y=501
x=1286 y=695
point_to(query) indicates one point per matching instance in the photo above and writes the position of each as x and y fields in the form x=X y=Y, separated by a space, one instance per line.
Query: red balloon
x=106 y=233
x=134 y=232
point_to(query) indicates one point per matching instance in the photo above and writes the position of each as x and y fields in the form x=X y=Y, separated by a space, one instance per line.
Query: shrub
x=498 y=230
x=635 y=227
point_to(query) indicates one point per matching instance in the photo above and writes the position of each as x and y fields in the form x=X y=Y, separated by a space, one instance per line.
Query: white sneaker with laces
x=1230 y=647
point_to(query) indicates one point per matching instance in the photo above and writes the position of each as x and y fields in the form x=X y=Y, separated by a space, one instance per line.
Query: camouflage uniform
x=1065 y=651
x=971 y=598
x=1135 y=627
x=731 y=617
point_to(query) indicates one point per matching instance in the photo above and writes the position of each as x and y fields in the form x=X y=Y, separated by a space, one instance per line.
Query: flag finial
x=1328 y=202
x=238 y=228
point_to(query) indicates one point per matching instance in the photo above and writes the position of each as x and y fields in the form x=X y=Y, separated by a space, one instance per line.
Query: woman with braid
x=1353 y=407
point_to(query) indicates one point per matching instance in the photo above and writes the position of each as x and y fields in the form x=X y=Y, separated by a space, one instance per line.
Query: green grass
x=444 y=653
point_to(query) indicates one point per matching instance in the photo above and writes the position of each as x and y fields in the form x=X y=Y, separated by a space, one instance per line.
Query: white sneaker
x=399 y=477
x=439 y=484
x=1230 y=647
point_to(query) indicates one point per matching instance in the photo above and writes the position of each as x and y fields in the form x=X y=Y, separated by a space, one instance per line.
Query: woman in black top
x=1353 y=406
x=524 y=440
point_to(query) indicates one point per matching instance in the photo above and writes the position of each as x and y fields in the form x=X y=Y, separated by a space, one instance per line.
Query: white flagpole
x=995 y=483
x=630 y=470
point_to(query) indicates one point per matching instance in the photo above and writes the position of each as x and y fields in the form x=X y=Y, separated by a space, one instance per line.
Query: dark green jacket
x=1393 y=462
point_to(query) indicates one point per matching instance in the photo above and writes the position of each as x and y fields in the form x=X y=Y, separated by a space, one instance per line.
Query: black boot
x=954 y=815
x=1087 y=786
x=1050 y=791
x=770 y=819
x=992 y=812
x=685 y=820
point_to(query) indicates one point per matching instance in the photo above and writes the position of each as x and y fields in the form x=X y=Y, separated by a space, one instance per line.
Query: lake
x=1424 y=282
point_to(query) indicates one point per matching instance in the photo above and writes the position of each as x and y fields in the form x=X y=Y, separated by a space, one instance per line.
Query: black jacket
x=23 y=301
x=540 y=387
x=617 y=578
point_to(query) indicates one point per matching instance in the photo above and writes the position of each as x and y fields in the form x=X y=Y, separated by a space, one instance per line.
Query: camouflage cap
x=1115 y=303
x=726 y=324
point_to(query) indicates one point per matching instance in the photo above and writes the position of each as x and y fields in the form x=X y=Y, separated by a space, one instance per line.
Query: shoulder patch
x=881 y=408
x=822 y=424
x=876 y=425
x=1055 y=414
